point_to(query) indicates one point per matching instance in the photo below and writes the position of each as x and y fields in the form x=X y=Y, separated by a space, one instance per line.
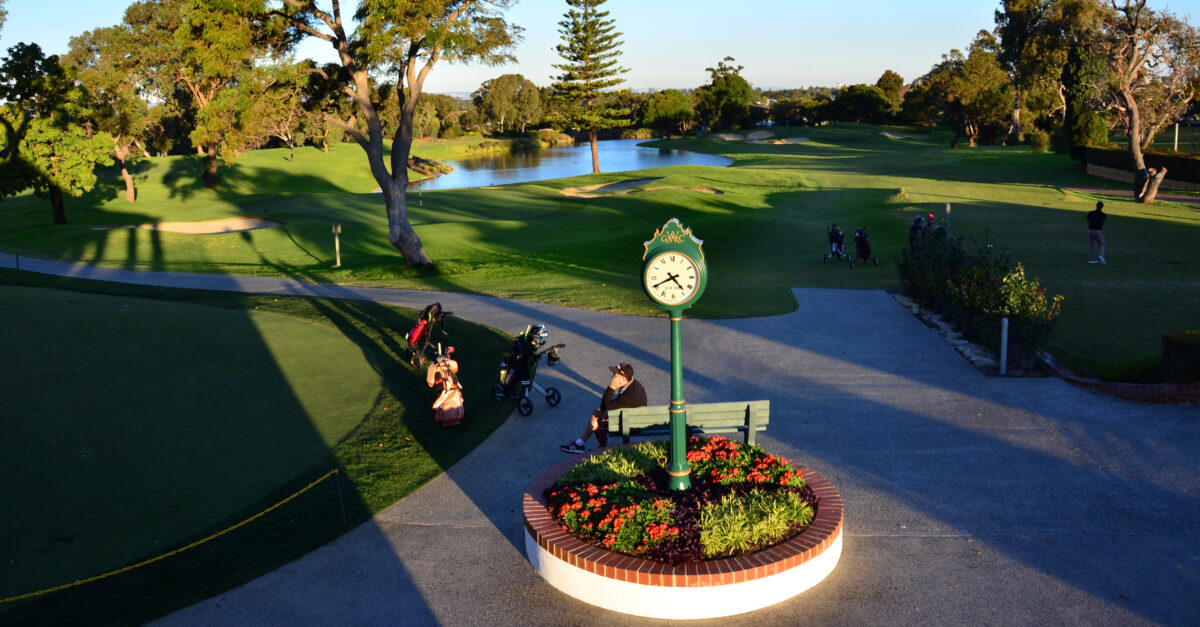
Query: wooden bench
x=745 y=417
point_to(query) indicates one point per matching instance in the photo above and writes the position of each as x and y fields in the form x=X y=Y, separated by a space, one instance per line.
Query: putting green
x=184 y=414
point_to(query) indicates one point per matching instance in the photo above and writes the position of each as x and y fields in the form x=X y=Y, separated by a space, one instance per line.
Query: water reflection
x=616 y=155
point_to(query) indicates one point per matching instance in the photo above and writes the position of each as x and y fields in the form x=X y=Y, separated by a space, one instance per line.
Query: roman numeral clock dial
x=672 y=278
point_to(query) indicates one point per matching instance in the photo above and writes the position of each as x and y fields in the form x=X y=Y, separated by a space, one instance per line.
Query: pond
x=616 y=155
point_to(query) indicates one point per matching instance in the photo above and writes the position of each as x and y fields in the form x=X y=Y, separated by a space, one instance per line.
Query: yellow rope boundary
x=176 y=551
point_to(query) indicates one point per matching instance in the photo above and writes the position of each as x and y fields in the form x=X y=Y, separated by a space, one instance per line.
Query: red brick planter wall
x=814 y=540
x=1160 y=393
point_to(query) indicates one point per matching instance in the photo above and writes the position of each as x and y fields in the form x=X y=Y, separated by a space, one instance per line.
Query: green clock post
x=674 y=276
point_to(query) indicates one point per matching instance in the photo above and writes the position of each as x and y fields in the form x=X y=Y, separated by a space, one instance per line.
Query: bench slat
x=747 y=417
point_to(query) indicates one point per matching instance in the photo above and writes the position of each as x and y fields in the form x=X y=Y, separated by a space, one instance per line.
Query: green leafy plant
x=748 y=522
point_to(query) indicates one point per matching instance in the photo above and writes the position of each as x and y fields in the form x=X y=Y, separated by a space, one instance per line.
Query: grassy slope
x=151 y=417
x=763 y=235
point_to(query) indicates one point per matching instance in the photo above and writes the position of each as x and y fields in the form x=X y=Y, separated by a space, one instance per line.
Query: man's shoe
x=572 y=448
x=1092 y=261
x=1102 y=261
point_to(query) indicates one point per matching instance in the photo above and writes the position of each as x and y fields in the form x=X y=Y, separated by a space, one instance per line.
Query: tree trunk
x=595 y=152
x=1016 y=115
x=400 y=233
x=1145 y=182
x=59 y=214
x=1148 y=190
x=121 y=153
x=130 y=192
x=395 y=191
x=291 y=151
x=210 y=167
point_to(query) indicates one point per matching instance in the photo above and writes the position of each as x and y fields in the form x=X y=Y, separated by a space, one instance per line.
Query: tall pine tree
x=590 y=51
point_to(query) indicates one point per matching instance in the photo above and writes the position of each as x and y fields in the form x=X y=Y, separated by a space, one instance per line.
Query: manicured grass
x=763 y=235
x=141 y=419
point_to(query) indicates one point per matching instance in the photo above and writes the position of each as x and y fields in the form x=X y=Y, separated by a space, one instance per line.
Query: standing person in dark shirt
x=1095 y=220
x=622 y=393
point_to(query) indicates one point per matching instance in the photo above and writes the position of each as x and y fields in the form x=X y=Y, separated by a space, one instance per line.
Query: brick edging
x=1157 y=393
x=826 y=527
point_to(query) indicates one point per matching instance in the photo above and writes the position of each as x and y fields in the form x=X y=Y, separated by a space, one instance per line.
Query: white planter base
x=680 y=602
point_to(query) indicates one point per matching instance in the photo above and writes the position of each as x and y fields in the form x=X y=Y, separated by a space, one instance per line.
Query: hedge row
x=975 y=290
x=1179 y=167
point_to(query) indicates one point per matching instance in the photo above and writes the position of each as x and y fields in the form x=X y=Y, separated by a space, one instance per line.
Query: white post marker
x=1177 y=137
x=337 y=245
x=947 y=220
x=1003 y=346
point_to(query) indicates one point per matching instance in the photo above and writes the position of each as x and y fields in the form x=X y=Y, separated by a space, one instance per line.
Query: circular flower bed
x=742 y=500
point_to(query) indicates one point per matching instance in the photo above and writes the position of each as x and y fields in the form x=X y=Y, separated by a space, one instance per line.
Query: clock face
x=671 y=278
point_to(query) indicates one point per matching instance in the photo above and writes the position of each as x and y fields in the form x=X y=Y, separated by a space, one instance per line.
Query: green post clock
x=674 y=275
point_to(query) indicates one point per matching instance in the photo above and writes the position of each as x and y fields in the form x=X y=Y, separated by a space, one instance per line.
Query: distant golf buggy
x=862 y=247
x=518 y=370
x=419 y=336
x=837 y=244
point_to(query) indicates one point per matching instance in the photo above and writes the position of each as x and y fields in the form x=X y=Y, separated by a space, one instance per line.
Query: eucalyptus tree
x=201 y=48
x=43 y=147
x=589 y=49
x=406 y=38
x=725 y=101
x=112 y=97
x=509 y=99
x=892 y=85
x=1153 y=58
x=669 y=110
x=268 y=103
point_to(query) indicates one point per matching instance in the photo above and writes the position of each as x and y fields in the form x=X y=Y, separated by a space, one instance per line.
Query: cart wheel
x=553 y=397
x=525 y=406
x=498 y=393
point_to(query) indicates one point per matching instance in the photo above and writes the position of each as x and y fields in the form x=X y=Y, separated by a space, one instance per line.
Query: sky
x=667 y=43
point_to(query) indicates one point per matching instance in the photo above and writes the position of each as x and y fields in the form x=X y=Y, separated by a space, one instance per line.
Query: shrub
x=637 y=133
x=1038 y=139
x=1181 y=356
x=975 y=290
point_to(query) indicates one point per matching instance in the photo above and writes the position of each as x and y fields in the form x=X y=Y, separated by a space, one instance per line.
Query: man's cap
x=622 y=368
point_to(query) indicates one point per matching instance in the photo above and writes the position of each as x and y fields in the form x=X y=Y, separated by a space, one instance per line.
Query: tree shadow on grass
x=221 y=427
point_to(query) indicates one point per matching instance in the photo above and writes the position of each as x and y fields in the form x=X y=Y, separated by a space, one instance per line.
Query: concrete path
x=969 y=499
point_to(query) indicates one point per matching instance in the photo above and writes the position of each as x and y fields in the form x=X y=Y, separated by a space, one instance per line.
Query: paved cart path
x=969 y=499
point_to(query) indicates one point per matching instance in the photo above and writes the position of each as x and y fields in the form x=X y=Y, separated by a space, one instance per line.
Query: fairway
x=763 y=220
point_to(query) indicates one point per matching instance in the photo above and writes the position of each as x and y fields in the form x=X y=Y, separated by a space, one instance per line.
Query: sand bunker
x=895 y=135
x=759 y=134
x=592 y=191
x=206 y=227
x=627 y=187
x=729 y=137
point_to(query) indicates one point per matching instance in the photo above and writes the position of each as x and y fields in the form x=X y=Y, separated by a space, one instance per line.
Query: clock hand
x=670 y=277
x=675 y=278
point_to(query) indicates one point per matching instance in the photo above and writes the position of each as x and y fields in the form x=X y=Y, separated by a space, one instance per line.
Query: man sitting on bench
x=622 y=393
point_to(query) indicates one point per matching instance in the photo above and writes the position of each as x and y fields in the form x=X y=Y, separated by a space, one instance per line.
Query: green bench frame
x=745 y=417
